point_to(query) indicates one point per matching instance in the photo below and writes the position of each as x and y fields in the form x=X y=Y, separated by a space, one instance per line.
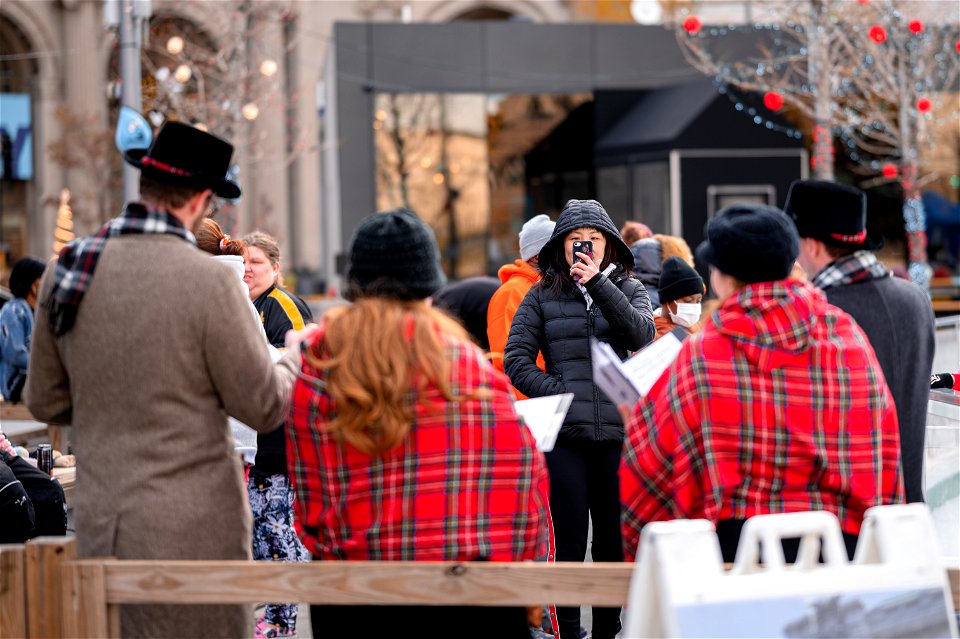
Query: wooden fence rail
x=46 y=592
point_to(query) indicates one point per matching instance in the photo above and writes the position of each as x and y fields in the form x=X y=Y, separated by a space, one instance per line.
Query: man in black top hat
x=144 y=345
x=836 y=251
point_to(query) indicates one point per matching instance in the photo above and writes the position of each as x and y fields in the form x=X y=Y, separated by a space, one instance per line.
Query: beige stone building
x=60 y=59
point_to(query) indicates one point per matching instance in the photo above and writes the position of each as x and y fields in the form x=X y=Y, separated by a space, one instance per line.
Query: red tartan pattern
x=467 y=483
x=778 y=405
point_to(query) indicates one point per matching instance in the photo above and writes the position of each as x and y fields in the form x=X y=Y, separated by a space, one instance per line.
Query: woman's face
x=258 y=273
x=586 y=233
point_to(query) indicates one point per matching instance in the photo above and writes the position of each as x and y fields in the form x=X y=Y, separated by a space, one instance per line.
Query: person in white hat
x=516 y=279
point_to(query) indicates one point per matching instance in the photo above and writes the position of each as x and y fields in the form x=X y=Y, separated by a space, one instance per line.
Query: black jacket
x=468 y=300
x=280 y=311
x=560 y=326
x=31 y=502
x=898 y=320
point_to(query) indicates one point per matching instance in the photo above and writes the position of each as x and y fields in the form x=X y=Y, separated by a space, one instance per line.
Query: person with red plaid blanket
x=403 y=443
x=778 y=405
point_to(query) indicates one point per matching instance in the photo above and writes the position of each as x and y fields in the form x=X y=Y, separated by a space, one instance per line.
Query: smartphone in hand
x=582 y=246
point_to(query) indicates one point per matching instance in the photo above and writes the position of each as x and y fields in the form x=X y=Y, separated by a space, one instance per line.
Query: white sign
x=544 y=417
x=626 y=382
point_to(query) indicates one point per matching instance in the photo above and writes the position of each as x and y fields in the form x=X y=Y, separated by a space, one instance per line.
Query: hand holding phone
x=582 y=246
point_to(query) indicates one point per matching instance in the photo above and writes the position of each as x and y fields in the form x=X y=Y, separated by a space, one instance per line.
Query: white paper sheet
x=627 y=382
x=544 y=417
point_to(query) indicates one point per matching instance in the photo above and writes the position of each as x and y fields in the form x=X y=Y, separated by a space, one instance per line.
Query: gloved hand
x=941 y=380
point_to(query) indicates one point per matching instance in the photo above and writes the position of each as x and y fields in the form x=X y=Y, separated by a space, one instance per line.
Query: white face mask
x=687 y=314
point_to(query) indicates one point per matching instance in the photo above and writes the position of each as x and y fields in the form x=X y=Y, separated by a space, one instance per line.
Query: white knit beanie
x=534 y=234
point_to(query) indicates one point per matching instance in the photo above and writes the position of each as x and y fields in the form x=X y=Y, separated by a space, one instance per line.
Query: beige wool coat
x=163 y=349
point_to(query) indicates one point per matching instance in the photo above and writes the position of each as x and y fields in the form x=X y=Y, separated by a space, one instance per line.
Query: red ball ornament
x=692 y=25
x=773 y=100
x=958 y=46
x=915 y=26
x=878 y=34
x=863 y=1
x=889 y=170
x=924 y=105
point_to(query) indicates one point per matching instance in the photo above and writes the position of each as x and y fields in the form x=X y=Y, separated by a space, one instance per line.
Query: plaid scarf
x=78 y=260
x=861 y=266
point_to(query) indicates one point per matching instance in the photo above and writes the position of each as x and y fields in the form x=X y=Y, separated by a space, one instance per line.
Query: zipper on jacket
x=596 y=392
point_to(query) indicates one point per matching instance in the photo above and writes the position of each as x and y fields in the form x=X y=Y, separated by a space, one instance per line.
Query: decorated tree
x=221 y=66
x=871 y=72
x=909 y=65
x=63 y=234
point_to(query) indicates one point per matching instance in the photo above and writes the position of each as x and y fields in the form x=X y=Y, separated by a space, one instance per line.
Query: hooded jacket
x=515 y=281
x=648 y=260
x=560 y=325
x=778 y=405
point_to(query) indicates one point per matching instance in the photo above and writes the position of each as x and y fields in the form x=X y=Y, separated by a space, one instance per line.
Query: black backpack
x=16 y=509
x=46 y=495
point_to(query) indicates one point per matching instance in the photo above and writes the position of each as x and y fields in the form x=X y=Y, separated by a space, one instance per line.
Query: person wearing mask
x=681 y=292
x=16 y=326
x=404 y=443
x=144 y=346
x=836 y=251
x=515 y=281
x=581 y=297
x=268 y=483
x=777 y=405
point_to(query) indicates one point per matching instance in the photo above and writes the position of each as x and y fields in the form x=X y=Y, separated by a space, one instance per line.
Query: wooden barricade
x=13 y=602
x=66 y=597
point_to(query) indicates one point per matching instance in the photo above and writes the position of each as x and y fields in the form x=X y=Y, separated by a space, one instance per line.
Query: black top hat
x=751 y=242
x=835 y=214
x=185 y=155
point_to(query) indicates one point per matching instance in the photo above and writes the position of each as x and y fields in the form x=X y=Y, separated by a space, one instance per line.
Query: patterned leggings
x=274 y=539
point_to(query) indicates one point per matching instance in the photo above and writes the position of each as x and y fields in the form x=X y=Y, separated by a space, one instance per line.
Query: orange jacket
x=516 y=278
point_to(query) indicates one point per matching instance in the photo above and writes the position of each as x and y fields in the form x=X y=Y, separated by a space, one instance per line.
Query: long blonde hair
x=376 y=353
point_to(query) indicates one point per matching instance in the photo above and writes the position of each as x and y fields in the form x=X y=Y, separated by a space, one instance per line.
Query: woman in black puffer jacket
x=572 y=303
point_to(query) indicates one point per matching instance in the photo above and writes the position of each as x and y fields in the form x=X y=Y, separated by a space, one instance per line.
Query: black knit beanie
x=395 y=255
x=678 y=279
x=751 y=242
x=24 y=273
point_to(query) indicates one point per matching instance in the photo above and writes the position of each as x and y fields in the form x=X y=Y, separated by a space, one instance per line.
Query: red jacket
x=778 y=405
x=467 y=482
x=517 y=278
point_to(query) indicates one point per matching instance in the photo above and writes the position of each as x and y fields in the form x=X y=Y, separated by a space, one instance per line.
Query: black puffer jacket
x=560 y=326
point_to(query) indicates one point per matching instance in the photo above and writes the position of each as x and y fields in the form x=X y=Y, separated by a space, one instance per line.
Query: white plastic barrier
x=896 y=586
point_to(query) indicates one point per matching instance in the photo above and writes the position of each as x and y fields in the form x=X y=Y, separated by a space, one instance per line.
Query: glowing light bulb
x=250 y=111
x=175 y=45
x=438 y=178
x=268 y=67
x=183 y=74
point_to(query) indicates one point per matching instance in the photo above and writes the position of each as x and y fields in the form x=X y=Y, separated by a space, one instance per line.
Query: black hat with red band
x=186 y=156
x=835 y=214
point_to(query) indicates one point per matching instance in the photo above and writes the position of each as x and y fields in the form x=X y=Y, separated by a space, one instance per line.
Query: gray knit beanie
x=534 y=234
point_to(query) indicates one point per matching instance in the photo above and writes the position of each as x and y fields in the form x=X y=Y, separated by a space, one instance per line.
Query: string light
x=250 y=111
x=175 y=45
x=183 y=74
x=268 y=67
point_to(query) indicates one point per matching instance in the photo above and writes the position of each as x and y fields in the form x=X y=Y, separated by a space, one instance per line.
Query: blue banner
x=16 y=136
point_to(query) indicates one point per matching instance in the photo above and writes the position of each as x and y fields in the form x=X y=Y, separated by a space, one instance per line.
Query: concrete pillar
x=269 y=145
x=84 y=82
x=49 y=177
x=305 y=72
